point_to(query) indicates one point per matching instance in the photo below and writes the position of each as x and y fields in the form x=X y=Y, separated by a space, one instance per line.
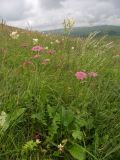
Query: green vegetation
x=46 y=113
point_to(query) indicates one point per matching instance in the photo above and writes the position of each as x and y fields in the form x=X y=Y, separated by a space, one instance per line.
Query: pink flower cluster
x=38 y=48
x=83 y=75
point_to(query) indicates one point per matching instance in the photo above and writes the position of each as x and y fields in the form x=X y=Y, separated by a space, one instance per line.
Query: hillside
x=84 y=31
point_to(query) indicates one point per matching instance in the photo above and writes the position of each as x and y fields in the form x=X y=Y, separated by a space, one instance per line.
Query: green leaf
x=77 y=152
x=39 y=117
x=67 y=117
x=56 y=154
x=77 y=134
x=12 y=117
x=16 y=114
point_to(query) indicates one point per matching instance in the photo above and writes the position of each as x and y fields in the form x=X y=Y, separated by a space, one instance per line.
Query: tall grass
x=48 y=103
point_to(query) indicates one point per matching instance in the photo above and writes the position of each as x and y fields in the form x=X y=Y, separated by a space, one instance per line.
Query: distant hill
x=84 y=31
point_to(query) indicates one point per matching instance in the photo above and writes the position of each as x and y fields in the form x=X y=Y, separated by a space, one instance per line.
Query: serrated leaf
x=77 y=152
x=39 y=117
x=77 y=134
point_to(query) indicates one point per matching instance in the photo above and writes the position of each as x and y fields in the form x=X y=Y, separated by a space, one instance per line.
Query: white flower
x=72 y=48
x=57 y=41
x=14 y=35
x=46 y=48
x=51 y=42
x=38 y=141
x=68 y=24
x=61 y=147
x=3 y=117
x=35 y=40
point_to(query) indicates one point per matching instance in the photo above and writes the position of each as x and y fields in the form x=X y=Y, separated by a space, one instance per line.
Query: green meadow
x=46 y=112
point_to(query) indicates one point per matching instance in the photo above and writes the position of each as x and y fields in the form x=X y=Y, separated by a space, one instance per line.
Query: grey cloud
x=52 y=4
x=13 y=10
x=49 y=14
x=115 y=3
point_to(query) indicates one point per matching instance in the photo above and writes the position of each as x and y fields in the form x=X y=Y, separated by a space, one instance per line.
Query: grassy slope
x=48 y=99
x=85 y=31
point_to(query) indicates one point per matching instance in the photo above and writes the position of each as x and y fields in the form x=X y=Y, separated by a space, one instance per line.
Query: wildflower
x=35 y=40
x=37 y=48
x=92 y=74
x=51 y=42
x=68 y=25
x=61 y=147
x=72 y=48
x=36 y=56
x=46 y=48
x=57 y=41
x=45 y=61
x=81 y=75
x=3 y=117
x=51 y=52
x=38 y=141
x=14 y=35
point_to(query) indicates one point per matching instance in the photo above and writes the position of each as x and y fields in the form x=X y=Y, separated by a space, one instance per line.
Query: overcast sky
x=49 y=14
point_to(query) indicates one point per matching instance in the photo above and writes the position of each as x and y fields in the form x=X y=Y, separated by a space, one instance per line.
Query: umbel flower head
x=68 y=25
x=14 y=35
x=38 y=48
x=35 y=41
x=82 y=75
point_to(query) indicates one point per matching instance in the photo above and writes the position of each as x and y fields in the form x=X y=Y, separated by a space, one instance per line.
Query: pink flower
x=36 y=56
x=92 y=74
x=81 y=75
x=37 y=48
x=51 y=52
x=45 y=61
